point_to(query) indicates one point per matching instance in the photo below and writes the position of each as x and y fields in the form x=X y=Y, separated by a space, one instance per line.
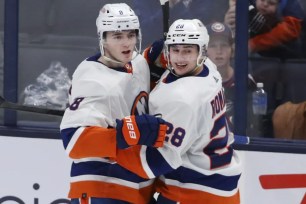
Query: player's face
x=120 y=45
x=267 y=7
x=183 y=58
x=220 y=51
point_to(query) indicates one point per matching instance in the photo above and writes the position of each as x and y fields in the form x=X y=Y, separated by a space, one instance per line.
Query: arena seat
x=267 y=71
x=294 y=79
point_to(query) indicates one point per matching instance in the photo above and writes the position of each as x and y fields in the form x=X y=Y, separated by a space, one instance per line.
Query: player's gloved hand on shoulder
x=140 y=130
x=156 y=60
x=152 y=52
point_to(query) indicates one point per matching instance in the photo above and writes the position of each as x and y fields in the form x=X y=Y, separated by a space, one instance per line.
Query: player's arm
x=148 y=162
x=156 y=60
x=87 y=130
x=93 y=141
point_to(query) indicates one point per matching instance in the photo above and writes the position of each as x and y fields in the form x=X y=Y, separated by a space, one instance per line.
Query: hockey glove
x=140 y=130
x=156 y=61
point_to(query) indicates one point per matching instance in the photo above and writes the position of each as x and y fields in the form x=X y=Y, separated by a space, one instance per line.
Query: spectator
x=221 y=52
x=289 y=121
x=274 y=27
x=1 y=64
x=150 y=14
x=1 y=73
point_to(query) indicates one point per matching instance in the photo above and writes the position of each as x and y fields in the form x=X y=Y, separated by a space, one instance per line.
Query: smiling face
x=119 y=46
x=183 y=58
x=267 y=7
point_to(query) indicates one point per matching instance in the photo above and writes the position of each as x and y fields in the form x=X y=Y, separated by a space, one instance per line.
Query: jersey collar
x=171 y=77
x=128 y=68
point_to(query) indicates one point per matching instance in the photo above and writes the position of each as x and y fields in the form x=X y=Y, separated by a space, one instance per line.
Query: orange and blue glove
x=156 y=59
x=140 y=130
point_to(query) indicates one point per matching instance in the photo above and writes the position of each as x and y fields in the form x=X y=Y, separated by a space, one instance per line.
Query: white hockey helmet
x=188 y=32
x=117 y=17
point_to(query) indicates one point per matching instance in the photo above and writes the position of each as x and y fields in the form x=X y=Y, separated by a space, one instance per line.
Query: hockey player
x=113 y=84
x=197 y=164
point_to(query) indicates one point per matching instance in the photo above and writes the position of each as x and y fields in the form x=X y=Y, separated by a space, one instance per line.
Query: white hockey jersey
x=197 y=163
x=99 y=95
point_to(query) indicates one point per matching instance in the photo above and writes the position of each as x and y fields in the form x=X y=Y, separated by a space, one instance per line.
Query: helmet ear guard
x=117 y=17
x=188 y=32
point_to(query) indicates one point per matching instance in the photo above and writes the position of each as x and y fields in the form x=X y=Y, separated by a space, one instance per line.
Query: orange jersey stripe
x=130 y=159
x=187 y=196
x=84 y=200
x=141 y=95
x=95 y=142
x=110 y=190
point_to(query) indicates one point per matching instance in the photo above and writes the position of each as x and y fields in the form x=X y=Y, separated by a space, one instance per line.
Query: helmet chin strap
x=108 y=59
x=111 y=60
x=116 y=61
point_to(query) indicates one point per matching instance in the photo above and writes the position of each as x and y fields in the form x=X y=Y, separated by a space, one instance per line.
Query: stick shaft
x=15 y=106
x=165 y=10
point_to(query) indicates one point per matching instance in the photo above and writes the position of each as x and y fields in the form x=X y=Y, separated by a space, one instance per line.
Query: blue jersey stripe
x=104 y=169
x=156 y=162
x=67 y=134
x=217 y=181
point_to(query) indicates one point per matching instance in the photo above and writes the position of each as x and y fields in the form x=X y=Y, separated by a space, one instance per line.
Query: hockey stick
x=14 y=106
x=165 y=9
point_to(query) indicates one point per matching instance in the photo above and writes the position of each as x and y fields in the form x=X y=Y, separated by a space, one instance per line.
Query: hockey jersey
x=99 y=95
x=197 y=164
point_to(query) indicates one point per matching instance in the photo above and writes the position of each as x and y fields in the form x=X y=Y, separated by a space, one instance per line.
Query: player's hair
x=188 y=32
x=117 y=17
